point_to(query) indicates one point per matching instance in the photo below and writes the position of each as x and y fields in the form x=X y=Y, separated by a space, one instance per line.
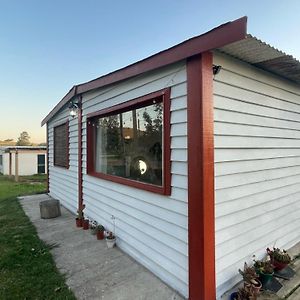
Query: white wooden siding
x=150 y=227
x=63 y=183
x=257 y=165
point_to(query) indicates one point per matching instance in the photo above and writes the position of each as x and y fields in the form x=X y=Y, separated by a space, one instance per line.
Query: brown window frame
x=56 y=164
x=165 y=189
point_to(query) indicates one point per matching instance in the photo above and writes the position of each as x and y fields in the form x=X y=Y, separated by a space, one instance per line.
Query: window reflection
x=129 y=144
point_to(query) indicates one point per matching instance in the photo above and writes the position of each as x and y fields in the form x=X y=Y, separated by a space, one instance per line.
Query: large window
x=61 y=145
x=130 y=143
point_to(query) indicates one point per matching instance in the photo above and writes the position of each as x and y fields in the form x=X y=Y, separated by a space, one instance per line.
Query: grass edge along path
x=27 y=269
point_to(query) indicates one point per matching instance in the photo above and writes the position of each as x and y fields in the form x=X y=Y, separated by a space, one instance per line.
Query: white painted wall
x=27 y=162
x=63 y=183
x=150 y=227
x=257 y=165
x=6 y=164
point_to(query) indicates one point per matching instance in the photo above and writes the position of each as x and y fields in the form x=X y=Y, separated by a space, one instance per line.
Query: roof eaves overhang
x=7 y=149
x=218 y=37
x=264 y=56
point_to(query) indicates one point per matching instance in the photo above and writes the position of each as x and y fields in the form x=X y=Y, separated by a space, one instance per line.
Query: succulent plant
x=100 y=227
x=245 y=294
x=110 y=235
x=263 y=266
x=249 y=274
x=93 y=224
x=279 y=255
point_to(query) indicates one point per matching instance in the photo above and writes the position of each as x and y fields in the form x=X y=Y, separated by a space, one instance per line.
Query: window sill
x=61 y=167
x=132 y=183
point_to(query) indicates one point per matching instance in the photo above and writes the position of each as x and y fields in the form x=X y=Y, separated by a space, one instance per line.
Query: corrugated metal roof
x=254 y=51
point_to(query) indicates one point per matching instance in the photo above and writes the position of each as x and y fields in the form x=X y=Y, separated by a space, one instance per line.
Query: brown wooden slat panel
x=61 y=145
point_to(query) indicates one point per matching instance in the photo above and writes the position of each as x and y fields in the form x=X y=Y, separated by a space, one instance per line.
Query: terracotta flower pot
x=86 y=224
x=100 y=235
x=256 y=287
x=253 y=287
x=278 y=265
x=78 y=222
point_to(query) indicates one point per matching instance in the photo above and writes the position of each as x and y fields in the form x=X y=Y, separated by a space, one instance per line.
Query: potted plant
x=250 y=278
x=265 y=270
x=280 y=258
x=110 y=239
x=79 y=218
x=85 y=224
x=93 y=227
x=243 y=294
x=100 y=232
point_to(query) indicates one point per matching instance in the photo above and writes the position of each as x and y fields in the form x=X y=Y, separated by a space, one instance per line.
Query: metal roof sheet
x=8 y=148
x=258 y=53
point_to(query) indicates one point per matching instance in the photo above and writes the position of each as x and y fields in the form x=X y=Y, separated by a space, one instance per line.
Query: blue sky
x=48 y=46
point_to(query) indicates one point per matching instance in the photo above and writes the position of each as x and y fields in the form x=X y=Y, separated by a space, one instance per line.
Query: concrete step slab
x=92 y=270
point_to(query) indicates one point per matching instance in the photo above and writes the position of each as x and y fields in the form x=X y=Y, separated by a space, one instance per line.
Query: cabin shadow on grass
x=27 y=269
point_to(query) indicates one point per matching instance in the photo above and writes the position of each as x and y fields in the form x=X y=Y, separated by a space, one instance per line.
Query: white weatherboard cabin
x=23 y=160
x=196 y=153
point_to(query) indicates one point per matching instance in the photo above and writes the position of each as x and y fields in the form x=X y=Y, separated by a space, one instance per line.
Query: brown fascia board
x=218 y=37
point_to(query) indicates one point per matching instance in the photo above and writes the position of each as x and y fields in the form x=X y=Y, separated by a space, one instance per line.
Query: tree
x=7 y=142
x=24 y=139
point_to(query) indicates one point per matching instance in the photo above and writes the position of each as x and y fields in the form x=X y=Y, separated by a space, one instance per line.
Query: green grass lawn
x=27 y=269
x=34 y=178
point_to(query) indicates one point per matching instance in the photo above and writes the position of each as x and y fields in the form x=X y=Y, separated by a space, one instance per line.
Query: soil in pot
x=78 y=222
x=86 y=224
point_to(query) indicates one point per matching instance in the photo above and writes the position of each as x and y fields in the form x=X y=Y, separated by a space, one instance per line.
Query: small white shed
x=23 y=160
x=196 y=153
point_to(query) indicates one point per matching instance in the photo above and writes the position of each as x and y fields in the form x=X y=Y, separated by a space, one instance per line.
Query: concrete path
x=93 y=271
